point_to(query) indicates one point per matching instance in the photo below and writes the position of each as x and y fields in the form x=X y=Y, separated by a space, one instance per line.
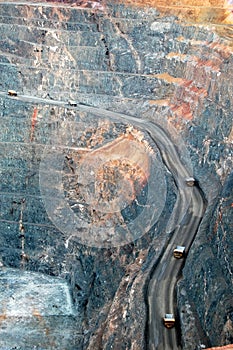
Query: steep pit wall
x=145 y=63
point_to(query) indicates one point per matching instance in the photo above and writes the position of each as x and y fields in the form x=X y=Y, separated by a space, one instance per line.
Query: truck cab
x=12 y=93
x=179 y=252
x=72 y=103
x=169 y=320
x=190 y=181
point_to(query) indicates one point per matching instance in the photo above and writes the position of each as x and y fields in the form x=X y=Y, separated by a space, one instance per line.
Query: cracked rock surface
x=145 y=63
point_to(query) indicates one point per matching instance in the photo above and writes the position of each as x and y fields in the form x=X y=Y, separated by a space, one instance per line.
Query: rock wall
x=141 y=62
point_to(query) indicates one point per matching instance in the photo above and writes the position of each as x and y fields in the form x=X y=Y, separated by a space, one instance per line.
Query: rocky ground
x=141 y=61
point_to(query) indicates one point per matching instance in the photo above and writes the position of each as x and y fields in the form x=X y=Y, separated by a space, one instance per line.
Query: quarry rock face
x=32 y=304
x=78 y=68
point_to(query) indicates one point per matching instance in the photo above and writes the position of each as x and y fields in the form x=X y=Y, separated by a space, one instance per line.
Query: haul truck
x=169 y=320
x=190 y=181
x=12 y=93
x=179 y=252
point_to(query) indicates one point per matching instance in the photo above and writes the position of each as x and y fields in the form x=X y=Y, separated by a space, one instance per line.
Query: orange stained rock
x=222 y=50
x=181 y=82
x=164 y=102
x=125 y=160
x=213 y=65
x=182 y=110
x=3 y=317
x=169 y=78
x=185 y=97
x=57 y=12
x=176 y=54
x=36 y=313
x=226 y=347
x=33 y=123
x=123 y=148
x=180 y=3
x=198 y=11
x=218 y=12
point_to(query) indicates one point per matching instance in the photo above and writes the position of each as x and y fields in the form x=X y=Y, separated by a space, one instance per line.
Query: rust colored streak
x=182 y=110
x=169 y=78
x=3 y=317
x=213 y=65
x=33 y=123
x=226 y=347
x=164 y=102
x=191 y=90
x=36 y=313
x=186 y=101
x=223 y=50
x=177 y=55
x=186 y=97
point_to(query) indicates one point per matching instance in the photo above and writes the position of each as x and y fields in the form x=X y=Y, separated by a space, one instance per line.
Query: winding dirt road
x=161 y=290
